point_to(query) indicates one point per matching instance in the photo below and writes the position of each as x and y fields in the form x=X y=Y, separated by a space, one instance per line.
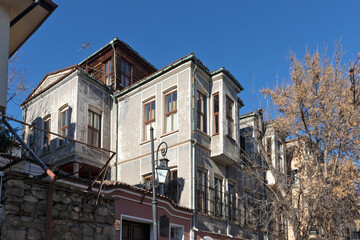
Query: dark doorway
x=135 y=230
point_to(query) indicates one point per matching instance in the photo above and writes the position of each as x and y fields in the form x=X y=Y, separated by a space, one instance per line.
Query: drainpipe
x=113 y=47
x=193 y=162
x=117 y=114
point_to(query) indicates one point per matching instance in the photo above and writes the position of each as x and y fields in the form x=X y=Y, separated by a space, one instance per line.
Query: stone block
x=17 y=192
x=29 y=198
x=33 y=234
x=27 y=207
x=14 y=234
x=39 y=194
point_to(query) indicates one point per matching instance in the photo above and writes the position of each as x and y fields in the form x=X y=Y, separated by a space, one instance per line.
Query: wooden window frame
x=150 y=180
x=229 y=117
x=202 y=189
x=171 y=111
x=93 y=129
x=218 y=201
x=201 y=121
x=64 y=128
x=151 y=121
x=108 y=72
x=232 y=201
x=216 y=114
x=46 y=140
x=269 y=147
x=123 y=73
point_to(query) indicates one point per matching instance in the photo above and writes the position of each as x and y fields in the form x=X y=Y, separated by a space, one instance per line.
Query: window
x=232 y=201
x=171 y=186
x=32 y=136
x=108 y=68
x=94 y=132
x=149 y=119
x=295 y=175
x=171 y=112
x=46 y=140
x=201 y=112
x=147 y=182
x=218 y=197
x=268 y=147
x=125 y=75
x=229 y=117
x=64 y=126
x=216 y=113
x=247 y=206
x=202 y=191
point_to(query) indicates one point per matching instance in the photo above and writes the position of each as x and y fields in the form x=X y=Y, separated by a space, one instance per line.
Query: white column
x=4 y=53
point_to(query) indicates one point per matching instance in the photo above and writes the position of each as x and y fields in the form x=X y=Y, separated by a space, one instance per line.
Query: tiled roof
x=36 y=92
x=189 y=57
x=123 y=44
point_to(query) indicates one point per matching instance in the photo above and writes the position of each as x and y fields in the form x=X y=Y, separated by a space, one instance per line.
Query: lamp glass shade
x=162 y=174
x=162 y=170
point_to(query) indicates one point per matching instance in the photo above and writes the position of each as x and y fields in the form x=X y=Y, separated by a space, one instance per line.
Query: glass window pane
x=122 y=66
x=96 y=121
x=216 y=124
x=167 y=103
x=216 y=103
x=174 y=101
x=128 y=69
x=168 y=123
x=175 y=121
x=147 y=112
x=147 y=131
x=89 y=136
x=95 y=138
x=153 y=110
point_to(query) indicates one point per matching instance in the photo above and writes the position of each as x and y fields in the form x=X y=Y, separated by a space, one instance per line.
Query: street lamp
x=162 y=172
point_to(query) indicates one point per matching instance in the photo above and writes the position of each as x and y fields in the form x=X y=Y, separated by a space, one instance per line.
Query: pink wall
x=136 y=207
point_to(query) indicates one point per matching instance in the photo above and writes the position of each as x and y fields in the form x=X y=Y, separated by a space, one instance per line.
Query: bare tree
x=320 y=110
x=18 y=85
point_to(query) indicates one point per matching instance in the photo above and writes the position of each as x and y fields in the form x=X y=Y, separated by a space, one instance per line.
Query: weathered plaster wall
x=25 y=202
x=77 y=93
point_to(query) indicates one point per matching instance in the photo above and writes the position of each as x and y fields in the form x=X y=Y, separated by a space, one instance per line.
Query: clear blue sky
x=252 y=39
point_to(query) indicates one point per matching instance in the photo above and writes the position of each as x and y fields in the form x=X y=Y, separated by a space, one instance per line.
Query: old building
x=111 y=99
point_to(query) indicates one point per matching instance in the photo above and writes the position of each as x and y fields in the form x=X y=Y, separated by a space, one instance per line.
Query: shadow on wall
x=173 y=189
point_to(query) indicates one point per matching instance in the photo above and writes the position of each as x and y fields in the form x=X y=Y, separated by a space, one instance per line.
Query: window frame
x=232 y=201
x=216 y=114
x=201 y=120
x=92 y=128
x=172 y=185
x=65 y=128
x=202 y=191
x=108 y=72
x=47 y=135
x=123 y=73
x=269 y=147
x=229 y=117
x=151 y=121
x=218 y=200
x=171 y=112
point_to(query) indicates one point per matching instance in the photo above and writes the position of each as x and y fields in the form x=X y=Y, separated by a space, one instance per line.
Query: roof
x=25 y=18
x=124 y=44
x=189 y=57
x=54 y=78
x=251 y=114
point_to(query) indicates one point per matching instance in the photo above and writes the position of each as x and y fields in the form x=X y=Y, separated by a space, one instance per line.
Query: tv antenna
x=85 y=45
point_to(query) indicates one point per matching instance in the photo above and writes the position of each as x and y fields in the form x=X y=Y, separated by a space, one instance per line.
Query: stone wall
x=24 y=216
